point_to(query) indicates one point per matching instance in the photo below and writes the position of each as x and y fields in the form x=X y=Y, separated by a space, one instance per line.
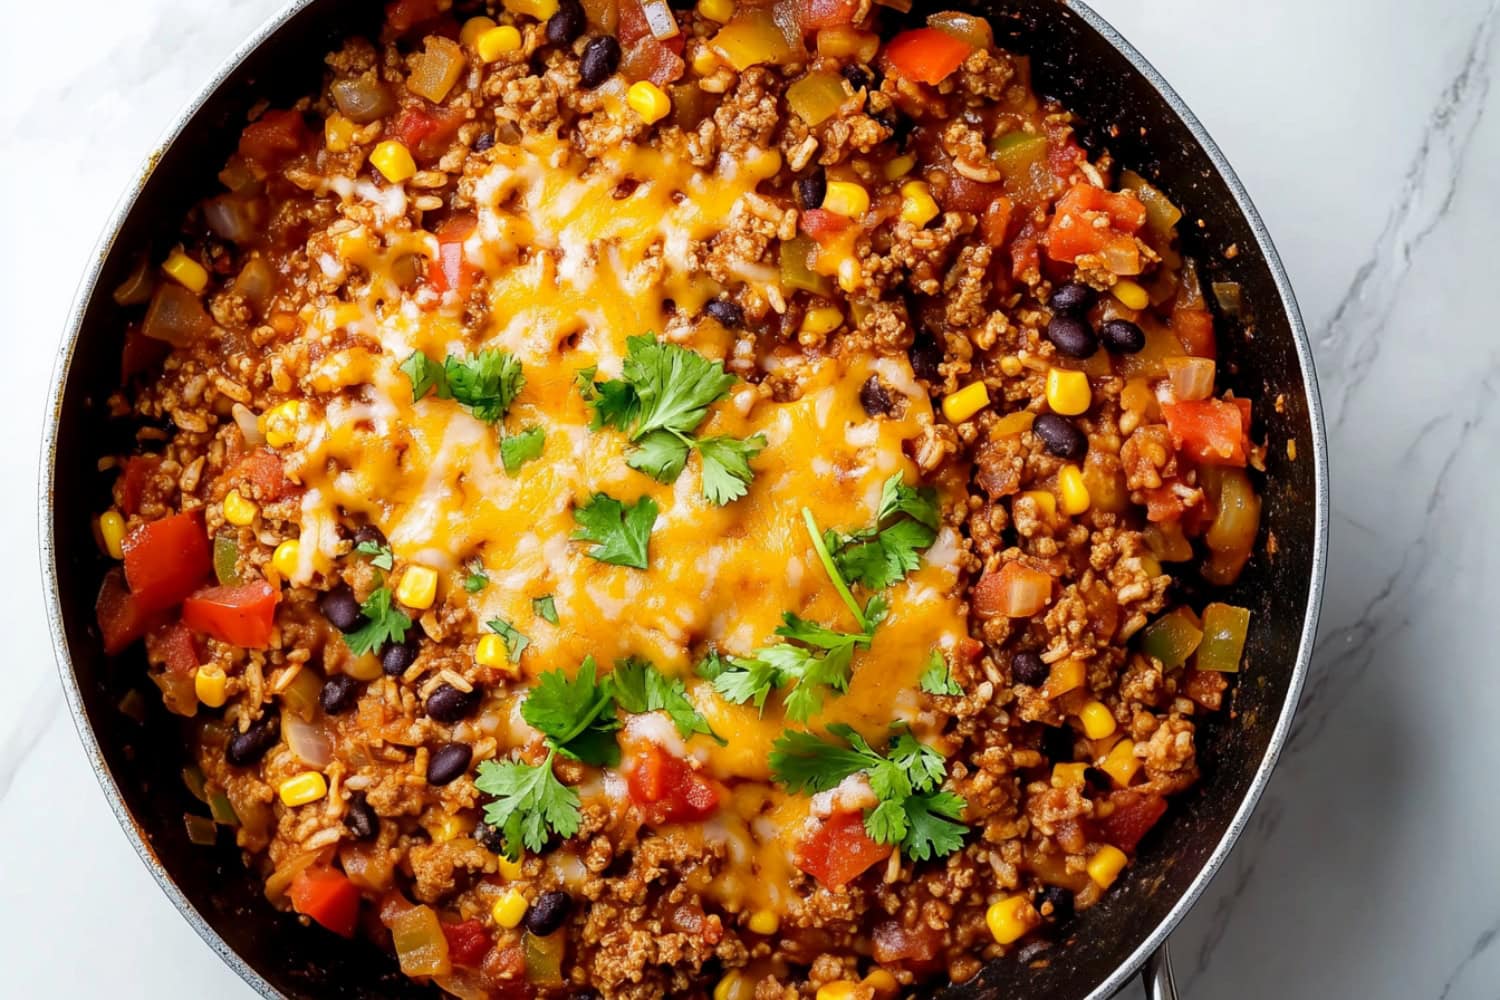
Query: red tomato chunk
x=669 y=791
x=468 y=942
x=1134 y=814
x=328 y=897
x=241 y=615
x=840 y=851
x=165 y=560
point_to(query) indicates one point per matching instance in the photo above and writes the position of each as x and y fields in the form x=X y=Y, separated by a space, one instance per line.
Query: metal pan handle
x=1156 y=975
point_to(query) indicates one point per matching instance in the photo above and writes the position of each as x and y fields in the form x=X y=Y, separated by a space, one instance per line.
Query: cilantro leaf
x=518 y=449
x=381 y=555
x=931 y=828
x=486 y=383
x=726 y=466
x=639 y=688
x=675 y=386
x=661 y=455
x=476 y=579
x=545 y=608
x=576 y=715
x=425 y=375
x=923 y=766
x=937 y=678
x=621 y=533
x=711 y=666
x=530 y=804
x=384 y=623
x=745 y=680
x=906 y=522
x=808 y=672
x=804 y=763
x=886 y=823
x=514 y=641
x=615 y=402
x=919 y=504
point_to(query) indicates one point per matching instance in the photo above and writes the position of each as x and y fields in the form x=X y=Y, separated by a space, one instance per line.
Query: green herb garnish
x=882 y=554
x=620 y=532
x=545 y=608
x=475 y=579
x=486 y=383
x=514 y=640
x=518 y=449
x=530 y=804
x=384 y=623
x=380 y=555
x=937 y=678
x=812 y=660
x=639 y=688
x=577 y=715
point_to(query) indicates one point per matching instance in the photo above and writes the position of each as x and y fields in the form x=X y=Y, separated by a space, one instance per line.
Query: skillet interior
x=1125 y=112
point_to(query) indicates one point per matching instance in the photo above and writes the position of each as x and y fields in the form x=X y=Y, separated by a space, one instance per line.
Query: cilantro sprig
x=529 y=805
x=912 y=810
x=813 y=660
x=621 y=533
x=545 y=608
x=575 y=714
x=485 y=383
x=640 y=688
x=381 y=556
x=514 y=641
x=906 y=523
x=475 y=577
x=384 y=623
x=937 y=676
x=518 y=449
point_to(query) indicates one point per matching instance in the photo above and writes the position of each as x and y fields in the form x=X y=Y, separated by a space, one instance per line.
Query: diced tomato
x=451 y=269
x=995 y=222
x=1063 y=157
x=138 y=470
x=1210 y=431
x=894 y=943
x=823 y=225
x=262 y=468
x=141 y=353
x=468 y=942
x=1133 y=815
x=668 y=790
x=1163 y=503
x=657 y=61
x=241 y=615
x=324 y=894
x=926 y=55
x=1072 y=230
x=1195 y=331
x=121 y=620
x=174 y=646
x=840 y=850
x=814 y=14
x=274 y=138
x=634 y=27
x=964 y=195
x=166 y=559
x=427 y=133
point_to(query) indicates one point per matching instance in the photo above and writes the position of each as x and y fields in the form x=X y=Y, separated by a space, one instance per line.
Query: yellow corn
x=394 y=161
x=1105 y=866
x=1068 y=775
x=509 y=909
x=839 y=989
x=473 y=28
x=1121 y=763
x=716 y=10
x=764 y=922
x=280 y=423
x=509 y=870
x=898 y=167
x=185 y=271
x=963 y=404
x=539 y=9
x=451 y=827
x=1098 y=721
x=338 y=133
x=1068 y=392
x=822 y=319
x=705 y=61
x=734 y=987
x=418 y=587
x=1130 y=294
x=917 y=206
x=846 y=198
x=762 y=163
x=648 y=100
x=881 y=981
x=491 y=652
x=1011 y=918
x=1075 y=494
x=306 y=787
x=849 y=274
x=1065 y=675
x=286 y=557
x=496 y=42
x=1046 y=503
x=209 y=683
x=1011 y=365
x=112 y=533
x=238 y=510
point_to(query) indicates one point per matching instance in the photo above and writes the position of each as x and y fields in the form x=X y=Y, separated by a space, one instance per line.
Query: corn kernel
x=473 y=28
x=763 y=163
x=1121 y=763
x=839 y=989
x=185 y=271
x=238 y=510
x=306 y=787
x=209 y=683
x=1068 y=392
x=418 y=587
x=917 y=206
x=539 y=9
x=496 y=42
x=822 y=320
x=338 y=133
x=1098 y=721
x=1105 y=866
x=849 y=274
x=1011 y=365
x=881 y=981
x=394 y=161
x=1075 y=494
x=509 y=909
x=648 y=100
x=898 y=167
x=847 y=199
x=112 y=533
x=509 y=870
x=1064 y=676
x=1046 y=503
x=963 y=404
x=716 y=10
x=1131 y=294
x=1068 y=775
x=705 y=63
x=734 y=986
x=1011 y=918
x=491 y=652
x=286 y=557
x=764 y=922
x=280 y=423
x=451 y=827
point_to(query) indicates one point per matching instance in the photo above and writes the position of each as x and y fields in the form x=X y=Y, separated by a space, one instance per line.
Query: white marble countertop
x=1364 y=129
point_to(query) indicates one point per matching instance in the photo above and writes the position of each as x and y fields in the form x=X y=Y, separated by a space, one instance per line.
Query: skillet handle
x=1156 y=974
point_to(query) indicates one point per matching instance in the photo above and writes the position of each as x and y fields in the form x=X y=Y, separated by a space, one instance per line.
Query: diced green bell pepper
x=1224 y=630
x=1172 y=638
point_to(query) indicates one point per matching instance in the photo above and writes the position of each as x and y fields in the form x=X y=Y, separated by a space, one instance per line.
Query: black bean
x=369 y=533
x=1072 y=297
x=448 y=704
x=1072 y=336
x=548 y=913
x=490 y=838
x=397 y=656
x=448 y=763
x=876 y=398
x=1028 y=668
x=899 y=124
x=812 y=189
x=341 y=608
x=360 y=818
x=859 y=77
x=601 y=57
x=1057 y=744
x=1061 y=900
x=926 y=356
x=1098 y=779
x=339 y=694
x=1060 y=437
x=484 y=142
x=567 y=24
x=1121 y=336
x=250 y=746
x=729 y=314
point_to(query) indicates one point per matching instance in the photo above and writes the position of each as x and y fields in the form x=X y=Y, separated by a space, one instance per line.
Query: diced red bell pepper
x=1210 y=431
x=427 y=133
x=121 y=620
x=668 y=790
x=823 y=225
x=274 y=138
x=174 y=646
x=1195 y=331
x=814 y=14
x=840 y=851
x=468 y=942
x=141 y=353
x=262 y=468
x=451 y=269
x=166 y=559
x=241 y=615
x=926 y=55
x=1134 y=814
x=326 y=895
x=138 y=470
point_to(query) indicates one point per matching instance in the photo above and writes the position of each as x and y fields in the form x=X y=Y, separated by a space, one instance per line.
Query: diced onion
x=965 y=27
x=1191 y=378
x=1016 y=591
x=137 y=286
x=362 y=100
x=659 y=19
x=249 y=425
x=256 y=281
x=175 y=315
x=308 y=740
x=229 y=218
x=1228 y=295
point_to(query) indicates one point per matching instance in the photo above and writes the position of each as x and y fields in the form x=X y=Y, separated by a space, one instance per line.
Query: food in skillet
x=667 y=501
